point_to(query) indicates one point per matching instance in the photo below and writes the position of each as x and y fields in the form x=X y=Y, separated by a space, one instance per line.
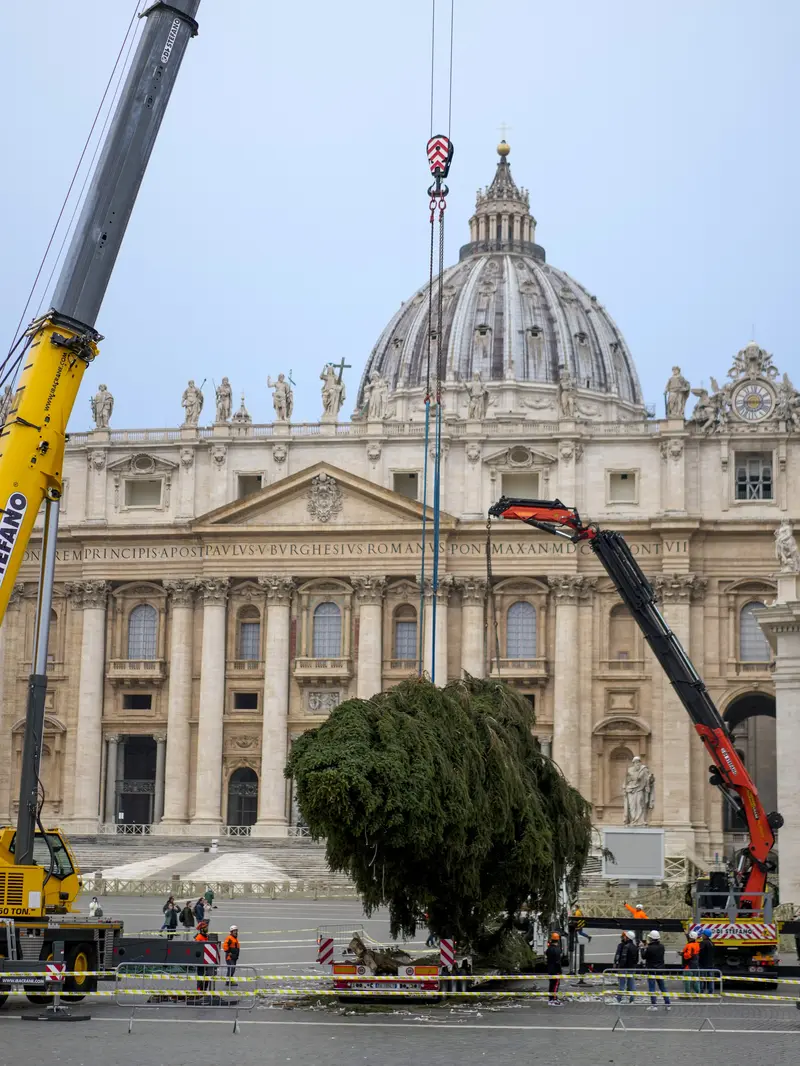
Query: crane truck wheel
x=81 y=961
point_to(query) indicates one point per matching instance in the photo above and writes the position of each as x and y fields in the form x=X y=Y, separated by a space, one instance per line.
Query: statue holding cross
x=333 y=390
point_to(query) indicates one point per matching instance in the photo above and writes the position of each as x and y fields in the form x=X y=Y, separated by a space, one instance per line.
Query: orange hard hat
x=555 y=936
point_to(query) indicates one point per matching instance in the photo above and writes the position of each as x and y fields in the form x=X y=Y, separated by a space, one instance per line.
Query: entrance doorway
x=136 y=790
x=751 y=720
x=243 y=797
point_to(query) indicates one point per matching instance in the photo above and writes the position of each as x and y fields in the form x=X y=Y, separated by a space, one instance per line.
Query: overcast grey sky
x=284 y=214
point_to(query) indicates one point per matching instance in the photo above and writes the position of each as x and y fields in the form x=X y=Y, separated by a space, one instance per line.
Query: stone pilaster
x=673 y=482
x=781 y=625
x=90 y=597
x=110 y=806
x=568 y=590
x=5 y=768
x=439 y=674
x=676 y=735
x=272 y=786
x=208 y=764
x=161 y=749
x=370 y=591
x=473 y=606
x=179 y=702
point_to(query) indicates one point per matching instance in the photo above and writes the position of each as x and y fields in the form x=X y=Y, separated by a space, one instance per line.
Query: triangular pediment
x=325 y=497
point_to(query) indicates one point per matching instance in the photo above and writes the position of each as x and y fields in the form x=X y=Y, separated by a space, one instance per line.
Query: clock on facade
x=752 y=401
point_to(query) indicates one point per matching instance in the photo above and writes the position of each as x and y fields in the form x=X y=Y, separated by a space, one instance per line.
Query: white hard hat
x=234 y=928
x=693 y=935
x=654 y=934
x=630 y=934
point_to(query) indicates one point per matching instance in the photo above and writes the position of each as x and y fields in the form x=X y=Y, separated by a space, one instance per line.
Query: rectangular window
x=523 y=486
x=406 y=484
x=405 y=639
x=249 y=640
x=248 y=484
x=622 y=486
x=754 y=477
x=245 y=701
x=137 y=701
x=143 y=492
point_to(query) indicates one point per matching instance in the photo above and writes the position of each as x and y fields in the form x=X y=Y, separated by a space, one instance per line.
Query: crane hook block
x=440 y=155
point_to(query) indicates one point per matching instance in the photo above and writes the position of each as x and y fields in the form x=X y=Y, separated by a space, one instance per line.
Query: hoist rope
x=440 y=153
x=63 y=208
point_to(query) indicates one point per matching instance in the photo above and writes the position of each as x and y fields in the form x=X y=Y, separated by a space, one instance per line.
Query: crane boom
x=728 y=772
x=60 y=346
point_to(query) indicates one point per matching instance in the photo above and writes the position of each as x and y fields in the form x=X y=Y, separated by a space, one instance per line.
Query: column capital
x=443 y=591
x=181 y=591
x=17 y=593
x=571 y=588
x=86 y=595
x=159 y=738
x=278 y=589
x=113 y=738
x=369 y=588
x=472 y=589
x=214 y=590
x=679 y=588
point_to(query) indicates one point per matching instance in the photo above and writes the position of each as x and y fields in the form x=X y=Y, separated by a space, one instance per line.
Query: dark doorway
x=751 y=719
x=243 y=797
x=136 y=788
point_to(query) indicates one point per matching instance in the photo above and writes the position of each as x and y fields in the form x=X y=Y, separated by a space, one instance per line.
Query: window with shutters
x=327 y=638
x=143 y=632
x=249 y=637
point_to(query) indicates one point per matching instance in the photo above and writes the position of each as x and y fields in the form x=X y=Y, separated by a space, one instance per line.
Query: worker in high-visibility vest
x=203 y=984
x=230 y=949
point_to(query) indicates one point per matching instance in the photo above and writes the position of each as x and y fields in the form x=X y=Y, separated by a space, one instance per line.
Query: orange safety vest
x=689 y=951
x=231 y=943
x=201 y=936
x=635 y=912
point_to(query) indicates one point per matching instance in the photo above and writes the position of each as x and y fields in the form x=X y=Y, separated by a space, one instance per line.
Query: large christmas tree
x=439 y=801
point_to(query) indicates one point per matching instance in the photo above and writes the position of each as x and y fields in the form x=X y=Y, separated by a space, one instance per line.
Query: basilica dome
x=512 y=318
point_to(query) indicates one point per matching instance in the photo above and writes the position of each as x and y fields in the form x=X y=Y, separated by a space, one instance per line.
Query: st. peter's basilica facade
x=221 y=587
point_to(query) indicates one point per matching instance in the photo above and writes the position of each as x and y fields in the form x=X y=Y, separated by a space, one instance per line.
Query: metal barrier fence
x=703 y=986
x=142 y=986
x=165 y=886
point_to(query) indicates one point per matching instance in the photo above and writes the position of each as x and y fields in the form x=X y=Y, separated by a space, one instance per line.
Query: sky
x=283 y=216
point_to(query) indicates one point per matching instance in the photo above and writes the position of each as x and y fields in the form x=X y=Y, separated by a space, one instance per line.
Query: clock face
x=752 y=401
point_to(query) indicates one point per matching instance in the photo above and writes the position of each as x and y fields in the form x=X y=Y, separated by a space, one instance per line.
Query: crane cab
x=50 y=885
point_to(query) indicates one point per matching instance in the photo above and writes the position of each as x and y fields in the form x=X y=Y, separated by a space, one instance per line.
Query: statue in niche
x=677 y=393
x=282 y=398
x=376 y=397
x=786 y=551
x=224 y=401
x=477 y=397
x=567 y=394
x=333 y=393
x=639 y=792
x=102 y=405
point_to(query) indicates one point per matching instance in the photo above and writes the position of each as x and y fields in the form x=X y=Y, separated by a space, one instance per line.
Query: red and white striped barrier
x=447 y=953
x=325 y=950
x=210 y=955
x=54 y=972
x=758 y=931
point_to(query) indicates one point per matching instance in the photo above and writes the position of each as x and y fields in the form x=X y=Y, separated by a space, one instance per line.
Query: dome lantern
x=502 y=221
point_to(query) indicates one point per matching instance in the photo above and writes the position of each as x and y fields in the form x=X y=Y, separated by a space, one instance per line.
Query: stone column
x=781 y=625
x=443 y=598
x=369 y=593
x=161 y=751
x=473 y=600
x=567 y=589
x=677 y=735
x=272 y=784
x=208 y=766
x=110 y=814
x=91 y=598
x=179 y=702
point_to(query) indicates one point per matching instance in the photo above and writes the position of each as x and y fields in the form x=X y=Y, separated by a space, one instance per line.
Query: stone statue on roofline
x=376 y=397
x=224 y=400
x=102 y=405
x=192 y=403
x=282 y=398
x=638 y=792
x=786 y=551
x=477 y=397
x=676 y=393
x=333 y=393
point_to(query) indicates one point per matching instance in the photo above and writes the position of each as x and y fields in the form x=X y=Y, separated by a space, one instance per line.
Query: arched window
x=621 y=638
x=142 y=632
x=243 y=797
x=249 y=636
x=405 y=632
x=753 y=645
x=327 y=631
x=521 y=631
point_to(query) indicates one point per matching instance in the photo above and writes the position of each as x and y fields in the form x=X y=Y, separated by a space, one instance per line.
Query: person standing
x=165 y=911
x=654 y=960
x=625 y=958
x=638 y=912
x=690 y=954
x=187 y=917
x=171 y=920
x=231 y=948
x=208 y=896
x=705 y=960
x=203 y=984
x=95 y=910
x=554 y=961
x=200 y=911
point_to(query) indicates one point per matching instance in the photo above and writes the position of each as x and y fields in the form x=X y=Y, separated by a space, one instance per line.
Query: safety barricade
x=627 y=988
x=142 y=986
